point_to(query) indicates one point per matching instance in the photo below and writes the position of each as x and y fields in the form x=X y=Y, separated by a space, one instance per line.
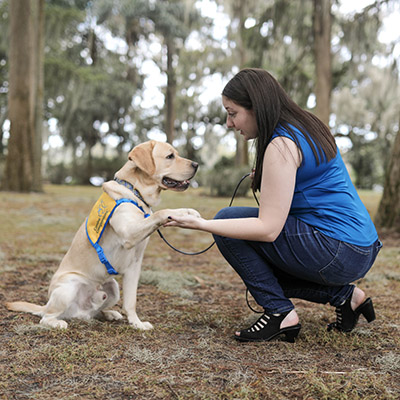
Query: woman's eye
x=170 y=156
x=232 y=115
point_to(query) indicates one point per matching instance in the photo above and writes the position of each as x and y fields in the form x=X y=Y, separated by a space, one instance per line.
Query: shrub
x=225 y=176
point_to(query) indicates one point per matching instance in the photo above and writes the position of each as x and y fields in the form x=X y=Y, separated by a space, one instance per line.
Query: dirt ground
x=195 y=304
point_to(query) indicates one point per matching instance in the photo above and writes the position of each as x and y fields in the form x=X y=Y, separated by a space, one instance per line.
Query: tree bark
x=388 y=215
x=19 y=161
x=25 y=96
x=171 y=92
x=323 y=60
x=242 y=150
x=37 y=82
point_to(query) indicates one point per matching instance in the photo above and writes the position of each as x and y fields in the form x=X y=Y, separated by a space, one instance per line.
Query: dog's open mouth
x=175 y=185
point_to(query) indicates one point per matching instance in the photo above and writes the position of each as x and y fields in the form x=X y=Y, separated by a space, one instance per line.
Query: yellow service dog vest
x=97 y=222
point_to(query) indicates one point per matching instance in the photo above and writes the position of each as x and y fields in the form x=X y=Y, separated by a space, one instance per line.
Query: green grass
x=195 y=304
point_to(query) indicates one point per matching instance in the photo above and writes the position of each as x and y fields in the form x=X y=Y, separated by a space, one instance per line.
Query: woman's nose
x=229 y=122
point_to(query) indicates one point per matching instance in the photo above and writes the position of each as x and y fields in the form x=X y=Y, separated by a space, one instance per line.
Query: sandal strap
x=346 y=318
x=259 y=324
x=267 y=327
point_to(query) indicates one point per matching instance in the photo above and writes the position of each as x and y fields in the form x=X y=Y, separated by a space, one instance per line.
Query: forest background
x=82 y=82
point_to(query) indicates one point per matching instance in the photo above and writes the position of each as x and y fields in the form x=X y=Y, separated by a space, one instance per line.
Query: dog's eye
x=170 y=156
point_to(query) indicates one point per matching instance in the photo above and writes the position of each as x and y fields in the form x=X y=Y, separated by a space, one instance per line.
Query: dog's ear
x=142 y=156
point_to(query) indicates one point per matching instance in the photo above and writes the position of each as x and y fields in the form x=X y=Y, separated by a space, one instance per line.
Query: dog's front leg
x=131 y=280
x=133 y=229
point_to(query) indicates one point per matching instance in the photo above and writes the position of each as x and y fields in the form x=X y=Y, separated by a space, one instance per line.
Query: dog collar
x=132 y=189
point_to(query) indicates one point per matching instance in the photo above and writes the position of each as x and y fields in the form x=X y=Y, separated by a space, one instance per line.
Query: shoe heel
x=292 y=333
x=367 y=309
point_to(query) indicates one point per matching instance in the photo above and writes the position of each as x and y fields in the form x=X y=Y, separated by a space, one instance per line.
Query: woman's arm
x=281 y=161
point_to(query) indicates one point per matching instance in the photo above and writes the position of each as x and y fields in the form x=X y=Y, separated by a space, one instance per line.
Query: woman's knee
x=237 y=212
x=224 y=213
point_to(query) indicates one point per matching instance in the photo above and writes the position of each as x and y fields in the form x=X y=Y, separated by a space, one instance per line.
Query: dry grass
x=195 y=303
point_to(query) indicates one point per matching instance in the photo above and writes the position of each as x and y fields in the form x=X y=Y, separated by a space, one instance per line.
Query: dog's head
x=160 y=164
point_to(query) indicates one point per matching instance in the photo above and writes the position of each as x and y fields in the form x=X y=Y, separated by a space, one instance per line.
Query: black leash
x=212 y=244
x=181 y=251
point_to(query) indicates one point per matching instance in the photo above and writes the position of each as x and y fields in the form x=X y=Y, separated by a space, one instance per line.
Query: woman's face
x=240 y=119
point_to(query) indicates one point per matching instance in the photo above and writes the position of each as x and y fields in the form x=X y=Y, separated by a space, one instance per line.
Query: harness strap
x=97 y=222
x=103 y=259
x=120 y=201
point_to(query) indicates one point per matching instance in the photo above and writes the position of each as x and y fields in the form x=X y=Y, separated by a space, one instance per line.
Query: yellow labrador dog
x=113 y=239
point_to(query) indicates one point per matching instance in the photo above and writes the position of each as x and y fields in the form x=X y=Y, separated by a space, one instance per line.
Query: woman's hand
x=186 y=221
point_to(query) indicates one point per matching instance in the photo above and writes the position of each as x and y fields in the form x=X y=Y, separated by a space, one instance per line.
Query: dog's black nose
x=195 y=165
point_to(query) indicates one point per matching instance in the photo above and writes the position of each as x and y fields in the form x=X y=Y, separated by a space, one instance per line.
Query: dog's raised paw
x=189 y=211
x=194 y=213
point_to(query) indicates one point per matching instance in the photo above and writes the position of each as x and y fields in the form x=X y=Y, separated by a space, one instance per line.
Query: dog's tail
x=26 y=307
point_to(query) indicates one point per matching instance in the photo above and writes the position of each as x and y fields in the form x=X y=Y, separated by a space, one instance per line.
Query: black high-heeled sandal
x=266 y=328
x=346 y=318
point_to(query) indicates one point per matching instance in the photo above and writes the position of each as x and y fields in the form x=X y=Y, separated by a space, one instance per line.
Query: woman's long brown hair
x=256 y=89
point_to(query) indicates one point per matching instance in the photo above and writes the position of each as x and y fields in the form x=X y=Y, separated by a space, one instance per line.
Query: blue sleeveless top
x=325 y=198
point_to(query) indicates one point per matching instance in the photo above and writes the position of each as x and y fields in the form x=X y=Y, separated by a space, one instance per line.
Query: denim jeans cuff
x=338 y=301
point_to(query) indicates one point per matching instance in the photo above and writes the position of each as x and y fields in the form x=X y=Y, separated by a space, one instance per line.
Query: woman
x=311 y=235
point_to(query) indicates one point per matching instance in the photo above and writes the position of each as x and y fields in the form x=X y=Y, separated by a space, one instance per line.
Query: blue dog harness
x=97 y=222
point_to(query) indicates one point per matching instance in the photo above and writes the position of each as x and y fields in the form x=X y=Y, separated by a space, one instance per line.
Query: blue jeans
x=301 y=263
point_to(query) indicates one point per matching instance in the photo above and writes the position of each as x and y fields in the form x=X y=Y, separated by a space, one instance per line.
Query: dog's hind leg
x=111 y=315
x=61 y=304
x=112 y=289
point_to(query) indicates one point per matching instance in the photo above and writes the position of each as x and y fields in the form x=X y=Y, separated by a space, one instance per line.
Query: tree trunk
x=323 y=61
x=19 y=162
x=171 y=92
x=2 y=120
x=388 y=215
x=242 y=150
x=37 y=81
